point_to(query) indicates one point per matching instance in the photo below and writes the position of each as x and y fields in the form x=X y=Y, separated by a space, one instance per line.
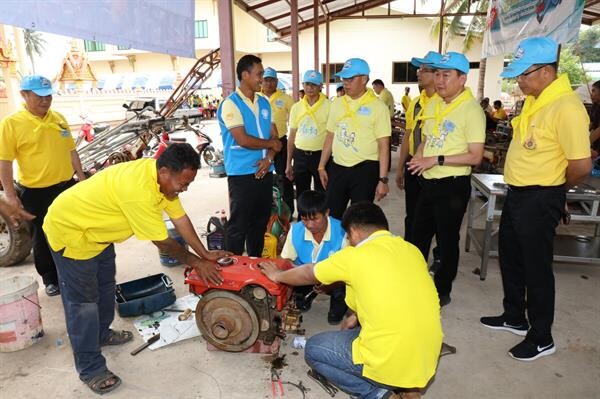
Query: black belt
x=308 y=152
x=358 y=165
x=443 y=179
x=57 y=185
x=534 y=188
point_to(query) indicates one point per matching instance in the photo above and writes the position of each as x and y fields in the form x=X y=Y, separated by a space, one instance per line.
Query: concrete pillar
x=225 y=10
x=295 y=58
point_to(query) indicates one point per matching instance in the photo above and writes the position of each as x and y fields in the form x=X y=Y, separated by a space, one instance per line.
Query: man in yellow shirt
x=308 y=128
x=406 y=99
x=40 y=140
x=385 y=95
x=454 y=131
x=499 y=114
x=549 y=151
x=358 y=138
x=393 y=337
x=281 y=104
x=82 y=226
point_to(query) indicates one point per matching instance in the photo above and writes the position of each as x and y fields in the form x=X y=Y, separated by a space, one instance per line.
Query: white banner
x=510 y=21
x=162 y=26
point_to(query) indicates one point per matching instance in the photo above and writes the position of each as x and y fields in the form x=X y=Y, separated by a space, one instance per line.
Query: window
x=119 y=47
x=91 y=45
x=333 y=69
x=404 y=72
x=271 y=36
x=474 y=65
x=201 y=29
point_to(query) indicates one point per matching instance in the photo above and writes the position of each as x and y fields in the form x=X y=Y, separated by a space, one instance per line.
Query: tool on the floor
x=300 y=387
x=275 y=378
x=185 y=315
x=322 y=381
x=150 y=341
x=447 y=349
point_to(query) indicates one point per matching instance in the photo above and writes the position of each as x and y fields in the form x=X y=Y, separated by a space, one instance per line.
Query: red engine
x=247 y=310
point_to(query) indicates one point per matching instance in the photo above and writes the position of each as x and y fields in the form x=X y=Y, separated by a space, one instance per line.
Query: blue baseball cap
x=531 y=51
x=453 y=60
x=37 y=84
x=312 y=76
x=354 y=67
x=270 y=73
x=431 y=57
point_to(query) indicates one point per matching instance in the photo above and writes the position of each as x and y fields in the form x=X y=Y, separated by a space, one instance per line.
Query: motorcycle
x=204 y=146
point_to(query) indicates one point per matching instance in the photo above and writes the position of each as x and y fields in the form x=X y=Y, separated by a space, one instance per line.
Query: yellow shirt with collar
x=560 y=133
x=462 y=126
x=311 y=130
x=232 y=117
x=396 y=304
x=406 y=101
x=411 y=120
x=388 y=99
x=499 y=114
x=111 y=206
x=281 y=104
x=356 y=125
x=41 y=146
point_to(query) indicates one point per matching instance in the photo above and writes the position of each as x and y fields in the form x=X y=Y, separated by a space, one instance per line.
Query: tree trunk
x=32 y=64
x=481 y=82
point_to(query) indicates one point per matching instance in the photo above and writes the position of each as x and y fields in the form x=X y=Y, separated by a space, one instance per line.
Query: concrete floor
x=480 y=368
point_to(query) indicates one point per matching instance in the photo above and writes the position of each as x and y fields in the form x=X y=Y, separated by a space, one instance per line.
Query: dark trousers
x=37 y=201
x=412 y=189
x=356 y=183
x=250 y=206
x=306 y=171
x=526 y=243
x=87 y=288
x=281 y=180
x=440 y=210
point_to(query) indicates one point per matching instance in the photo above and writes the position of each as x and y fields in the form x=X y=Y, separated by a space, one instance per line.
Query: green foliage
x=470 y=28
x=571 y=65
x=588 y=44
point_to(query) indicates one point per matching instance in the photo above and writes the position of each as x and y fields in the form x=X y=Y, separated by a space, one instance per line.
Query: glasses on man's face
x=530 y=72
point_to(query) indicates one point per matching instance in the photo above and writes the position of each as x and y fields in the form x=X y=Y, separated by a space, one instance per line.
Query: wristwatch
x=441 y=160
x=384 y=180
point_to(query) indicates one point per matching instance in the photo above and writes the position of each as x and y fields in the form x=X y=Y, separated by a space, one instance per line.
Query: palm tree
x=34 y=44
x=472 y=30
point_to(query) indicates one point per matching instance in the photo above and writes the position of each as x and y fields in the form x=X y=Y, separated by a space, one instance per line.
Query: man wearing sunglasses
x=549 y=150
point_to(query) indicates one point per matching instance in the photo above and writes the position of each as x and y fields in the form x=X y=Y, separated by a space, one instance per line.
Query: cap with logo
x=430 y=58
x=531 y=51
x=270 y=73
x=37 y=84
x=354 y=67
x=453 y=60
x=312 y=76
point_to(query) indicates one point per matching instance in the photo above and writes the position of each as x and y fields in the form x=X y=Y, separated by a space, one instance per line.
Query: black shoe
x=500 y=323
x=528 y=350
x=334 y=319
x=52 y=289
x=445 y=300
x=302 y=305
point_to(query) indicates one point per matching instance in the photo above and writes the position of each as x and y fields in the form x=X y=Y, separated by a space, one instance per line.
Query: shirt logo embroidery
x=64 y=133
x=279 y=103
x=446 y=127
x=364 y=111
x=265 y=114
x=345 y=137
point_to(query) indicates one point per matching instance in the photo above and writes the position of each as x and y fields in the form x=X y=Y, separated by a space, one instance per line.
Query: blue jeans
x=87 y=288
x=330 y=354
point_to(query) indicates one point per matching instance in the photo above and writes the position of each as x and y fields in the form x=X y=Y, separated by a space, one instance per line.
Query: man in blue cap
x=250 y=143
x=412 y=137
x=281 y=104
x=40 y=140
x=454 y=132
x=549 y=152
x=308 y=128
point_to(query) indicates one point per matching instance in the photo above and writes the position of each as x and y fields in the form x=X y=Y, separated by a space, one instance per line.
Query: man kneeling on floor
x=314 y=238
x=393 y=339
x=82 y=226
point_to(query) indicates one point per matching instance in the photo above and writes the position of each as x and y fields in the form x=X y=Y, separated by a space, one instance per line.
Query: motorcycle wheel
x=209 y=155
x=15 y=242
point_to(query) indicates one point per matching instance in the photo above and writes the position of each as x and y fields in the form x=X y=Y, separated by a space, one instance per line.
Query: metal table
x=569 y=248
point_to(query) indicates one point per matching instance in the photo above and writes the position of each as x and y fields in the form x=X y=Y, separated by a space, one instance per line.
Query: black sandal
x=98 y=382
x=117 y=337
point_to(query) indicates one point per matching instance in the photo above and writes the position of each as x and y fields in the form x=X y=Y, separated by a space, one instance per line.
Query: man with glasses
x=308 y=128
x=412 y=137
x=454 y=132
x=549 y=149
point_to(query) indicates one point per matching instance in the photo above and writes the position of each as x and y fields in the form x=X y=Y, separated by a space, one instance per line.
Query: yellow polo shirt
x=397 y=305
x=281 y=104
x=499 y=114
x=356 y=125
x=388 y=99
x=232 y=117
x=310 y=122
x=111 y=206
x=406 y=101
x=560 y=132
x=42 y=147
x=464 y=125
x=411 y=120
